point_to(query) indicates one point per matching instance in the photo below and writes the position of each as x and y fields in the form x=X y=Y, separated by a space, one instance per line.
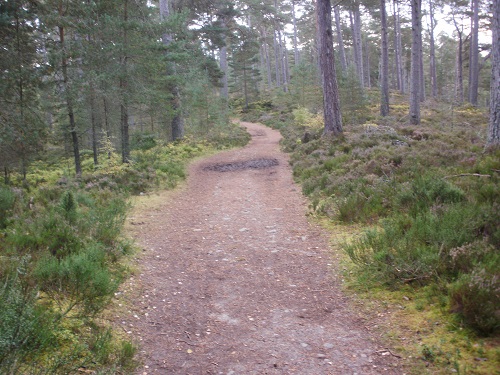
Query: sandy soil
x=234 y=279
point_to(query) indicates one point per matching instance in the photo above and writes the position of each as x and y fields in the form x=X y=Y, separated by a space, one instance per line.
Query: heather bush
x=7 y=199
x=475 y=296
x=436 y=222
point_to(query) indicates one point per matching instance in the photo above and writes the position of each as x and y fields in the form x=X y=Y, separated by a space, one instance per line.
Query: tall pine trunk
x=68 y=94
x=355 y=17
x=224 y=90
x=276 y=60
x=415 y=62
x=459 y=79
x=367 y=75
x=432 y=61
x=124 y=89
x=384 y=71
x=331 y=103
x=268 y=61
x=398 y=50
x=421 y=63
x=177 y=123
x=494 y=126
x=340 y=40
x=93 y=120
x=474 y=54
x=295 y=43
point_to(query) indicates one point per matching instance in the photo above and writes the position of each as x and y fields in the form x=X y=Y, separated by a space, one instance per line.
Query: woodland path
x=234 y=279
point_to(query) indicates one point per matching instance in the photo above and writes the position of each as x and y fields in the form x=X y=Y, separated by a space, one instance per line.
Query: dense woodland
x=100 y=99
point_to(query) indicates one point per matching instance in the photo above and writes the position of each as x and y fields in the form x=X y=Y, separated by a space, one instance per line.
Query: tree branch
x=468 y=174
x=337 y=3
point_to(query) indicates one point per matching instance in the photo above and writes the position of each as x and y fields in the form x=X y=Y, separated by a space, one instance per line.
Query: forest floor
x=233 y=278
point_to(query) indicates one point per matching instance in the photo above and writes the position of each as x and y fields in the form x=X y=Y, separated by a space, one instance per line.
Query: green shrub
x=107 y=220
x=475 y=296
x=69 y=206
x=143 y=141
x=428 y=190
x=24 y=326
x=392 y=258
x=7 y=199
x=78 y=281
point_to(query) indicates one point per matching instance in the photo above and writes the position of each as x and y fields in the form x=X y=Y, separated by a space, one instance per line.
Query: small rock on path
x=234 y=280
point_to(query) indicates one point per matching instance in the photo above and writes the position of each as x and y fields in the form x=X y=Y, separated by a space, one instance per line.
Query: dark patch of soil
x=242 y=165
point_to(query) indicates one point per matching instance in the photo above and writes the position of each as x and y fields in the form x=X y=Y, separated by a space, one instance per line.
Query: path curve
x=236 y=281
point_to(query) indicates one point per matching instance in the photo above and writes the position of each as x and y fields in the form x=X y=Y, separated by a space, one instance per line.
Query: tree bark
x=384 y=76
x=459 y=79
x=177 y=123
x=93 y=120
x=432 y=61
x=331 y=103
x=494 y=125
x=281 y=57
x=268 y=61
x=367 y=75
x=474 y=54
x=355 y=16
x=398 y=49
x=415 y=63
x=224 y=90
x=69 y=98
x=295 y=44
x=276 y=60
x=123 y=89
x=421 y=63
x=285 y=66
x=340 y=39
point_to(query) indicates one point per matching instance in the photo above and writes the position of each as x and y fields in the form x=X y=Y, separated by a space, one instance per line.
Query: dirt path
x=236 y=281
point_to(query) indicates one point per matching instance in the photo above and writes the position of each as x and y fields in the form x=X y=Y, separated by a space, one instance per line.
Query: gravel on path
x=233 y=278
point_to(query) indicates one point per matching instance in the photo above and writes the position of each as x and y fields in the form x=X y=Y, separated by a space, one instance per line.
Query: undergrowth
x=429 y=194
x=62 y=253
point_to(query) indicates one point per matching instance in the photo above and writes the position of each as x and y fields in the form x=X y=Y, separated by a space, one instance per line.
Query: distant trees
x=22 y=130
x=94 y=72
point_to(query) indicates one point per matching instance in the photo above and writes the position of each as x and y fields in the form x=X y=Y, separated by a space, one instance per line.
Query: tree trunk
x=398 y=49
x=415 y=63
x=245 y=90
x=93 y=120
x=494 y=126
x=331 y=103
x=355 y=17
x=177 y=124
x=224 y=90
x=340 y=40
x=284 y=61
x=421 y=63
x=295 y=46
x=384 y=71
x=268 y=61
x=459 y=80
x=20 y=85
x=368 y=80
x=474 y=54
x=276 y=60
x=434 y=88
x=123 y=89
x=69 y=99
